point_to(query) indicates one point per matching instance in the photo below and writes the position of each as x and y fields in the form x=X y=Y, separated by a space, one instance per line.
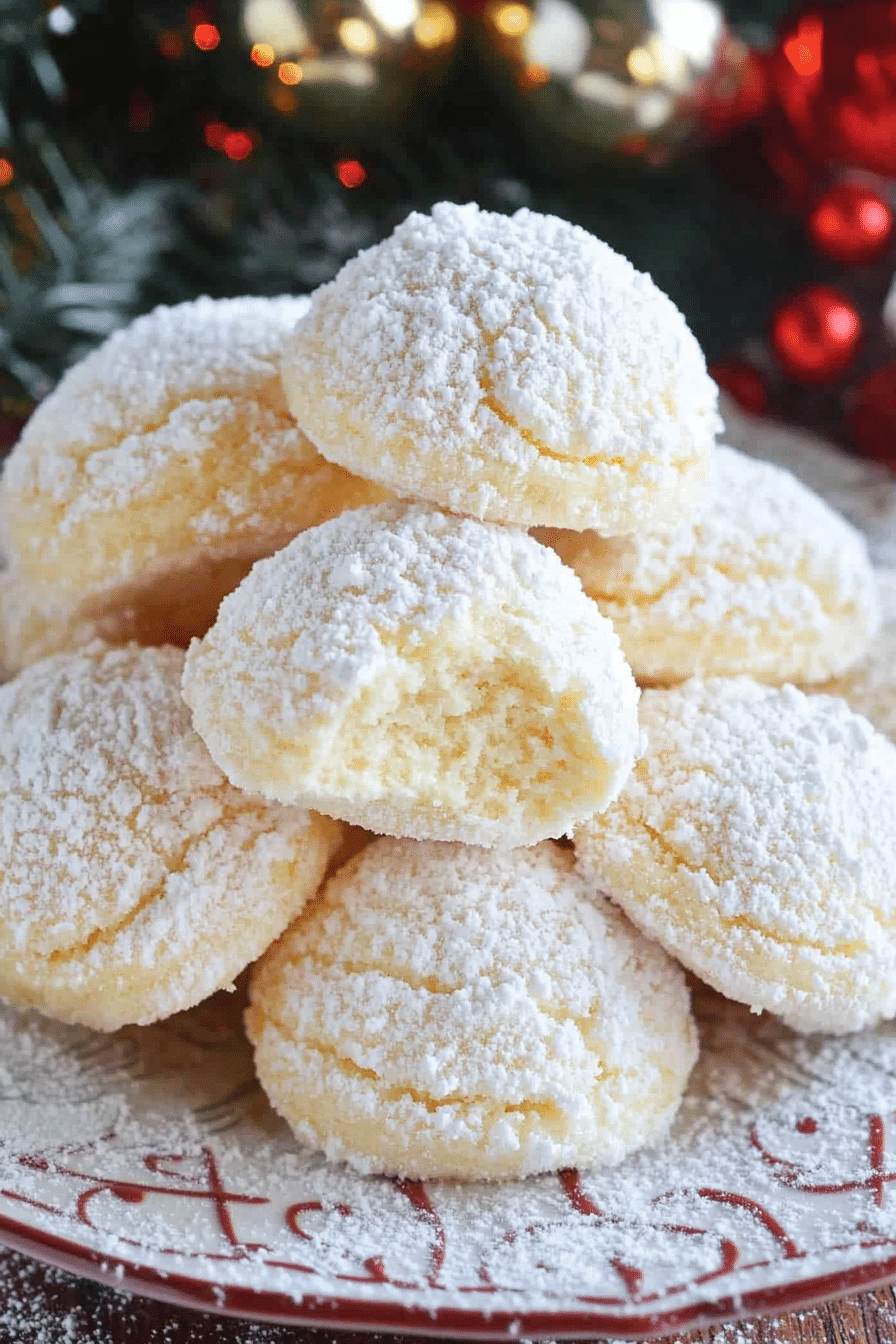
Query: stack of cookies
x=427 y=536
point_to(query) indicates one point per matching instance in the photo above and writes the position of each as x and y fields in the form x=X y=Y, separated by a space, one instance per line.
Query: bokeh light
x=171 y=45
x=206 y=36
x=351 y=173
x=238 y=145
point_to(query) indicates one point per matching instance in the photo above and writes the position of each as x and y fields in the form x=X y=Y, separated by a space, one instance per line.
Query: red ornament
x=834 y=71
x=815 y=334
x=743 y=382
x=872 y=421
x=737 y=92
x=851 y=223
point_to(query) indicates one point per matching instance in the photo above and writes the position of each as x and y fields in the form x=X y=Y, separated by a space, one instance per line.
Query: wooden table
x=46 y=1306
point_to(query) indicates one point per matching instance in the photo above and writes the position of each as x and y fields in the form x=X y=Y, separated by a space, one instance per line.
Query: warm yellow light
x=670 y=64
x=262 y=54
x=512 y=19
x=641 y=65
x=289 y=72
x=436 y=26
x=358 y=36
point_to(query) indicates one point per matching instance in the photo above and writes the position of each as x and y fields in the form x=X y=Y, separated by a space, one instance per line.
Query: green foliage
x=79 y=259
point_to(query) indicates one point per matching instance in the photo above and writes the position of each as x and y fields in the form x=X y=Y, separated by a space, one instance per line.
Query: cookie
x=448 y=1011
x=755 y=842
x=869 y=687
x=418 y=674
x=134 y=880
x=767 y=581
x=515 y=369
x=165 y=463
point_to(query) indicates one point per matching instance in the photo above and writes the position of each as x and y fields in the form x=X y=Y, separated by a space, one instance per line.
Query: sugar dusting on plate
x=164 y=1153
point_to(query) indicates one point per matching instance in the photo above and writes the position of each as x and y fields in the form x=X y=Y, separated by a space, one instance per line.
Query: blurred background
x=745 y=157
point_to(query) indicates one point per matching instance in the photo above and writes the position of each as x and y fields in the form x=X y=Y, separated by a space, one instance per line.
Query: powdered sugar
x=136 y=879
x=418 y=674
x=195 y=352
x=517 y=369
x=766 y=1179
x=864 y=492
x=165 y=454
x=754 y=841
x=766 y=580
x=515 y=1026
x=328 y=606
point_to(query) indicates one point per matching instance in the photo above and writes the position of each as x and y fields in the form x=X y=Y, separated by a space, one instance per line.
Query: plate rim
x=321 y=1310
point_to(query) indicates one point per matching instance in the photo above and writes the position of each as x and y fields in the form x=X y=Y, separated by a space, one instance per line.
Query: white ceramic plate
x=150 y=1160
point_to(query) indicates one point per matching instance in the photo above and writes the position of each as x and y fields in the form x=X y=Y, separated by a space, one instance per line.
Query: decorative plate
x=149 y=1159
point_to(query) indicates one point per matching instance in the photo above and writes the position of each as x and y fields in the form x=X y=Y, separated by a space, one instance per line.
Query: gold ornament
x=348 y=67
x=632 y=77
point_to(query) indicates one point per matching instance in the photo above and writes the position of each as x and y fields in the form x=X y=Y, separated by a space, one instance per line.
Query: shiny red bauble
x=834 y=72
x=815 y=334
x=851 y=223
x=872 y=420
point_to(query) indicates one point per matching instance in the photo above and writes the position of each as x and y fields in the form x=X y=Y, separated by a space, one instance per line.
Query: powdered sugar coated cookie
x=869 y=687
x=165 y=462
x=755 y=842
x=766 y=580
x=134 y=880
x=418 y=674
x=446 y=1011
x=515 y=369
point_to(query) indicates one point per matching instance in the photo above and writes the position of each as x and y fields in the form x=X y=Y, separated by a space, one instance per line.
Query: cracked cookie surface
x=165 y=463
x=754 y=841
x=516 y=369
x=135 y=881
x=766 y=580
x=448 y=1011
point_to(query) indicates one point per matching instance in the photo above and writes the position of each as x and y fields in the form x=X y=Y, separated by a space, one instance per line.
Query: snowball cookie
x=134 y=880
x=870 y=686
x=166 y=462
x=755 y=842
x=515 y=369
x=447 y=1011
x=418 y=674
x=766 y=580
